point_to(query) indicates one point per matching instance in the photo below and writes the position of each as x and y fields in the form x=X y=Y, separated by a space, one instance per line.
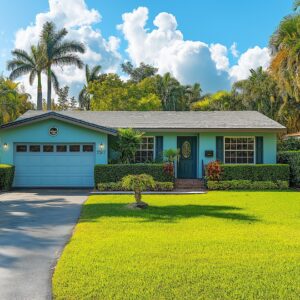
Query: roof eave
x=56 y=116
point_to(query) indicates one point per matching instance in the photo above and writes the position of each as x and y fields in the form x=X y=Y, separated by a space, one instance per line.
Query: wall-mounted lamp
x=5 y=146
x=101 y=148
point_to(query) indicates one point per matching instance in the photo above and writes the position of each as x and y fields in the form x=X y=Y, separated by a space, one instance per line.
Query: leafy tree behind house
x=13 y=101
x=139 y=73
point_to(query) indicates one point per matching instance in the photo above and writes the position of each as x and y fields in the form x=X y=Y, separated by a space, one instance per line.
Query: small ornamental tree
x=213 y=171
x=138 y=184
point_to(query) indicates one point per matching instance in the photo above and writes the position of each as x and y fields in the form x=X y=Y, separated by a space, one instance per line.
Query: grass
x=222 y=245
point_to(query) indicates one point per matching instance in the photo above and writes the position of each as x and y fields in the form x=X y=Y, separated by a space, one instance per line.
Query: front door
x=187 y=164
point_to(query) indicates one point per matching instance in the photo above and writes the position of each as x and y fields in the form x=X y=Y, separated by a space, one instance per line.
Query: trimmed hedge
x=265 y=172
x=117 y=186
x=7 y=173
x=115 y=172
x=247 y=185
x=293 y=159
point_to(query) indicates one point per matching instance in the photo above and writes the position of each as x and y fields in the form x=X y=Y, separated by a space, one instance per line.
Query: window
x=239 y=150
x=48 y=148
x=74 y=148
x=145 y=152
x=61 y=148
x=87 y=148
x=21 y=148
x=35 y=148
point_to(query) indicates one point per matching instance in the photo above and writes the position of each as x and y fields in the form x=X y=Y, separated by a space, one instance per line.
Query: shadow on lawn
x=170 y=213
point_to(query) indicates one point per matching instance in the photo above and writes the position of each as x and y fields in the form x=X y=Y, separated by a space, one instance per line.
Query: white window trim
x=254 y=150
x=154 y=145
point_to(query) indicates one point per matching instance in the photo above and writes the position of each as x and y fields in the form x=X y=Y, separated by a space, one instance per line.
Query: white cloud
x=233 y=50
x=251 y=59
x=165 y=47
x=219 y=55
x=79 y=20
x=189 y=61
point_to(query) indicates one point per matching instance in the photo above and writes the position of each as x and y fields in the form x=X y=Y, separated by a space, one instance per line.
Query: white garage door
x=54 y=165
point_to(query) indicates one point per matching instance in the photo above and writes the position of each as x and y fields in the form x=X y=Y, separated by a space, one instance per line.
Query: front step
x=189 y=184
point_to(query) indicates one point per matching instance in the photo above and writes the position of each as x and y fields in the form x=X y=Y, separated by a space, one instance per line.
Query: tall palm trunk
x=39 y=93
x=49 y=86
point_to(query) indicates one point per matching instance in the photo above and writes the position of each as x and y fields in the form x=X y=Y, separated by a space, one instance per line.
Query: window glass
x=239 y=150
x=145 y=152
x=74 y=148
x=48 y=148
x=87 y=148
x=21 y=148
x=61 y=148
x=35 y=148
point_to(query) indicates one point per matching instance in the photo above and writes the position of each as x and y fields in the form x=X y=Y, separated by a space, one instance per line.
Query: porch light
x=5 y=146
x=101 y=148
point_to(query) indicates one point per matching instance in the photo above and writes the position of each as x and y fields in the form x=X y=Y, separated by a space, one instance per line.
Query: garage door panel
x=54 y=169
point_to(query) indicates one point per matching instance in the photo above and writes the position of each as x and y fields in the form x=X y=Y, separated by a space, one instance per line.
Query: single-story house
x=53 y=149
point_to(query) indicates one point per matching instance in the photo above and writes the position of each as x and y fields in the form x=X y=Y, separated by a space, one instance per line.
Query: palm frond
x=22 y=70
x=32 y=75
x=95 y=73
x=54 y=81
x=68 y=60
x=68 y=47
x=22 y=55
x=87 y=73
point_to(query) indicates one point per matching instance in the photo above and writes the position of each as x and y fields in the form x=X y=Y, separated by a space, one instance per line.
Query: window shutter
x=259 y=142
x=159 y=148
x=220 y=148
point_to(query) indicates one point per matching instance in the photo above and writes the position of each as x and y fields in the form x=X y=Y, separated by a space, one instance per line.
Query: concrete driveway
x=34 y=227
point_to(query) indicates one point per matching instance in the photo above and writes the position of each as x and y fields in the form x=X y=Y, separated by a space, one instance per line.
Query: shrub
x=293 y=159
x=247 y=185
x=117 y=186
x=213 y=170
x=6 y=177
x=168 y=168
x=265 y=172
x=289 y=145
x=114 y=173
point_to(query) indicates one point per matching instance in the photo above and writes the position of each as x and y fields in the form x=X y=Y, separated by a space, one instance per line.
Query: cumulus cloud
x=165 y=47
x=79 y=20
x=251 y=59
x=189 y=61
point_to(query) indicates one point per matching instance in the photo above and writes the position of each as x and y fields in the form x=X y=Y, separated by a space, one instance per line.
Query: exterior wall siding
x=39 y=133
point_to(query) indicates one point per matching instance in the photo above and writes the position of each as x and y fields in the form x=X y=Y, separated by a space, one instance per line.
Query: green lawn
x=222 y=245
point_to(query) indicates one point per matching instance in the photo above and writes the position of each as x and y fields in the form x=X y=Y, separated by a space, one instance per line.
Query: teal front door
x=187 y=164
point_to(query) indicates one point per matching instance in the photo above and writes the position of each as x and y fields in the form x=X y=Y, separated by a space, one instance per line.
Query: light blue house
x=60 y=149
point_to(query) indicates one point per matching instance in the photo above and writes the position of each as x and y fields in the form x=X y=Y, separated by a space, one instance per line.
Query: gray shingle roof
x=204 y=120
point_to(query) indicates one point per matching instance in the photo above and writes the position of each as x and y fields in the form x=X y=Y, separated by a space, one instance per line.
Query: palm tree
x=59 y=52
x=32 y=63
x=90 y=76
x=286 y=55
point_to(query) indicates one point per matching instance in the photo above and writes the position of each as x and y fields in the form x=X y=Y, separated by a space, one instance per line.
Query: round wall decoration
x=186 y=149
x=53 y=131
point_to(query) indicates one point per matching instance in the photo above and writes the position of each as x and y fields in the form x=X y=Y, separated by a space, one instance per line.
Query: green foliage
x=288 y=145
x=127 y=143
x=139 y=73
x=138 y=184
x=171 y=155
x=6 y=177
x=262 y=172
x=293 y=159
x=221 y=100
x=247 y=185
x=115 y=172
x=13 y=101
x=117 y=186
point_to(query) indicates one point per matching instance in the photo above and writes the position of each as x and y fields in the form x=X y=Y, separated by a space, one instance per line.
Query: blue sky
x=249 y=24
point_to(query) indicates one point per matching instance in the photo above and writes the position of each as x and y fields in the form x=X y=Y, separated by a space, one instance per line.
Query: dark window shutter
x=159 y=148
x=220 y=148
x=259 y=141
